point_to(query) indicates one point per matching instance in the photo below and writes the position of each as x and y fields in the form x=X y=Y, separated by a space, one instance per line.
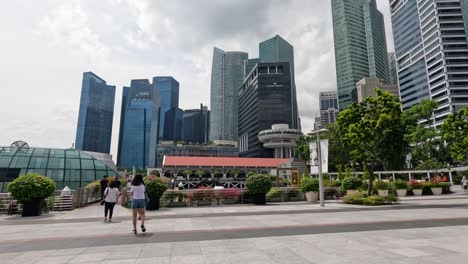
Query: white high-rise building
x=431 y=53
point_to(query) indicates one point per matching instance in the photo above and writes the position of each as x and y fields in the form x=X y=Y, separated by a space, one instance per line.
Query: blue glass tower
x=94 y=128
x=169 y=114
x=139 y=125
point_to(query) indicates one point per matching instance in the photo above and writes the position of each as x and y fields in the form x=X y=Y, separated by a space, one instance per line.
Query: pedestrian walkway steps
x=63 y=203
x=8 y=204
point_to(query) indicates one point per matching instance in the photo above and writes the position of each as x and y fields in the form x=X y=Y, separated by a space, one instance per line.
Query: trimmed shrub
x=373 y=200
x=335 y=183
x=275 y=192
x=309 y=185
x=351 y=183
x=155 y=186
x=229 y=194
x=201 y=194
x=257 y=184
x=31 y=187
x=381 y=185
x=400 y=185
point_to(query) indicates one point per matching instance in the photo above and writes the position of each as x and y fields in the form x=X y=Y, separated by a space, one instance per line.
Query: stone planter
x=230 y=201
x=383 y=192
x=352 y=191
x=311 y=196
x=204 y=203
x=276 y=199
x=153 y=203
x=177 y=204
x=417 y=192
x=401 y=192
x=32 y=208
x=259 y=198
x=436 y=190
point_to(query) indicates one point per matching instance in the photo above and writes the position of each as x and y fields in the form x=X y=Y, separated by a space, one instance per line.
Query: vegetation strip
x=21 y=221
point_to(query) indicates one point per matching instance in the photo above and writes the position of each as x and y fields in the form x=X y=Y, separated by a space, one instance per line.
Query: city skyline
x=64 y=56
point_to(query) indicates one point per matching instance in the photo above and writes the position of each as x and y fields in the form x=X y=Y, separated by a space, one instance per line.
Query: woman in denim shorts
x=138 y=202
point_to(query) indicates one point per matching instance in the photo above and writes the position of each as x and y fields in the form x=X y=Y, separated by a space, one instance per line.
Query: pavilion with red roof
x=220 y=166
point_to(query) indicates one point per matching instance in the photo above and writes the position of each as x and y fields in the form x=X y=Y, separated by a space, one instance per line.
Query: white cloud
x=46 y=47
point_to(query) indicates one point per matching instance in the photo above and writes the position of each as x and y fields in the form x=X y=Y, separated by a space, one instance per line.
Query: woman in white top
x=138 y=201
x=464 y=183
x=111 y=195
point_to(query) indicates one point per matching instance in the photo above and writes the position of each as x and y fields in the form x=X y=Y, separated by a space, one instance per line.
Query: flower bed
x=373 y=200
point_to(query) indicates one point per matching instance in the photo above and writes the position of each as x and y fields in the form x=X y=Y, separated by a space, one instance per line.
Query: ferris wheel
x=19 y=144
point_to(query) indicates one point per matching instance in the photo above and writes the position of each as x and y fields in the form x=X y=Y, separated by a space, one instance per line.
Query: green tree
x=302 y=150
x=455 y=133
x=426 y=144
x=369 y=129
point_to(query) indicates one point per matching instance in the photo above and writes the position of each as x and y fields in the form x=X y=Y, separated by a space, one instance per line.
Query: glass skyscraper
x=227 y=75
x=360 y=45
x=432 y=53
x=196 y=125
x=276 y=49
x=328 y=102
x=139 y=125
x=94 y=129
x=170 y=115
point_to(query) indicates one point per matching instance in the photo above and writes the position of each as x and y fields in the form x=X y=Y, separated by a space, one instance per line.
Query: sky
x=46 y=46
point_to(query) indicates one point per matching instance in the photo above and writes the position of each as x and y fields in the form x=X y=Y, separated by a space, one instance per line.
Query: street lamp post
x=319 y=157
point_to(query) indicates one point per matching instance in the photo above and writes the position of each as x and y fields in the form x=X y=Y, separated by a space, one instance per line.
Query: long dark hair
x=137 y=180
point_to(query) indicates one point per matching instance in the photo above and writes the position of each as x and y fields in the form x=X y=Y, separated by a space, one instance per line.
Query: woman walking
x=464 y=183
x=138 y=202
x=111 y=195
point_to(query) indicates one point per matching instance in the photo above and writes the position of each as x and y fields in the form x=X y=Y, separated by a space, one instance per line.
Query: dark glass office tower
x=94 y=130
x=360 y=45
x=264 y=100
x=139 y=125
x=227 y=74
x=196 y=125
x=170 y=115
x=276 y=49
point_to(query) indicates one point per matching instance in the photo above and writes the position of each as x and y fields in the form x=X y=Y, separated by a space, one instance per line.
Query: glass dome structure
x=67 y=167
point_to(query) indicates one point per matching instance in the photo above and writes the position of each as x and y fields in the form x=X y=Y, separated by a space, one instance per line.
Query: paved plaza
x=430 y=229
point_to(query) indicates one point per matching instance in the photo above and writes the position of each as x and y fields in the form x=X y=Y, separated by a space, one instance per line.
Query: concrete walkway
x=425 y=229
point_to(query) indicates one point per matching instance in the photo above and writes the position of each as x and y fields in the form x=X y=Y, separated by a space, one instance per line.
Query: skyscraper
x=139 y=125
x=329 y=110
x=464 y=6
x=227 y=74
x=94 y=129
x=170 y=115
x=196 y=125
x=264 y=100
x=432 y=53
x=392 y=68
x=360 y=46
x=276 y=49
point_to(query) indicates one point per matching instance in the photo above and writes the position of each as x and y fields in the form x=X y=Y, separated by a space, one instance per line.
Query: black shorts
x=465 y=187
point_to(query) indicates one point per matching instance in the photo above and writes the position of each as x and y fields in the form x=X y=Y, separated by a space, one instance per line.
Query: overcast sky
x=46 y=46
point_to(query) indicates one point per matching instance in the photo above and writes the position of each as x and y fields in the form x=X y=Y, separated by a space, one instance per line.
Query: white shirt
x=112 y=194
x=138 y=191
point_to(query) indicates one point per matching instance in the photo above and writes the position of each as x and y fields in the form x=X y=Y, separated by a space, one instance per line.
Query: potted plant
x=310 y=187
x=258 y=186
x=382 y=187
x=30 y=190
x=416 y=187
x=436 y=187
x=155 y=188
x=401 y=187
x=351 y=185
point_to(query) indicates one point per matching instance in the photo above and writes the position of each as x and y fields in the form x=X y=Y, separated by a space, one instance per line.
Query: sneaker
x=105 y=220
x=143 y=229
x=110 y=220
